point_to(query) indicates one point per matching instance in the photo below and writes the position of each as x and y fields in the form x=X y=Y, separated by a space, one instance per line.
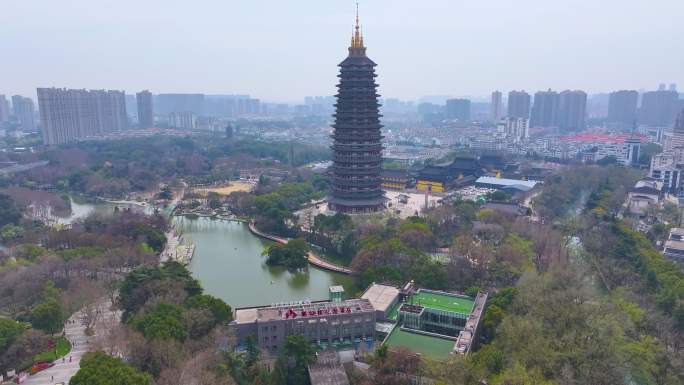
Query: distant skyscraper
x=518 y=104
x=496 y=106
x=145 y=110
x=68 y=115
x=4 y=109
x=24 y=112
x=458 y=109
x=185 y=120
x=622 y=108
x=545 y=109
x=357 y=139
x=168 y=103
x=572 y=110
x=679 y=123
x=659 y=108
x=110 y=110
x=676 y=140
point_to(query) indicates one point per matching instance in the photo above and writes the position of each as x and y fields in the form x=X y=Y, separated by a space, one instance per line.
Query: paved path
x=311 y=256
x=81 y=344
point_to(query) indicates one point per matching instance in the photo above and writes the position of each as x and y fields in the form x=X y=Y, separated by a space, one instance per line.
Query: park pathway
x=80 y=344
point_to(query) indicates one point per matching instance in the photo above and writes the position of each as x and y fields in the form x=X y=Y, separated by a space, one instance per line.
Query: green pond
x=229 y=264
x=228 y=261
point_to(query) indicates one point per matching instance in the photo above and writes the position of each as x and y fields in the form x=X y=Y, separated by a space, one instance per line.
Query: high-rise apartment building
x=545 y=109
x=572 y=110
x=68 y=115
x=4 y=109
x=110 y=111
x=185 y=120
x=24 y=111
x=496 y=106
x=518 y=104
x=145 y=109
x=168 y=103
x=659 y=108
x=458 y=109
x=622 y=108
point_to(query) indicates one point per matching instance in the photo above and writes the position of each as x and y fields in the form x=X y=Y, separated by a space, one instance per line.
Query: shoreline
x=311 y=257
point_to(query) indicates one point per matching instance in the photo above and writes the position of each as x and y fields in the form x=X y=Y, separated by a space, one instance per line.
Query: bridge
x=313 y=259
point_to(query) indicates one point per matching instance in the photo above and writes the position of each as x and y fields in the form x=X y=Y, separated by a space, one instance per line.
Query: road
x=22 y=167
x=81 y=344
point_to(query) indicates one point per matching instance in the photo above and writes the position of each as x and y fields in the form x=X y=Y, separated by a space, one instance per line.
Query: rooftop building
x=327 y=370
x=326 y=323
x=674 y=246
x=382 y=298
x=513 y=185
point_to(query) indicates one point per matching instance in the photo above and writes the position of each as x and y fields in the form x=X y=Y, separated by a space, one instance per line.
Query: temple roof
x=357 y=61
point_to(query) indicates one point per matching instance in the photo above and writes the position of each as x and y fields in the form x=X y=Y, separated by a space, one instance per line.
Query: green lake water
x=229 y=265
x=228 y=261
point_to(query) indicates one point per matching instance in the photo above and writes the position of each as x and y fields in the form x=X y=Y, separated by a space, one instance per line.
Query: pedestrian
x=52 y=378
x=62 y=359
x=69 y=358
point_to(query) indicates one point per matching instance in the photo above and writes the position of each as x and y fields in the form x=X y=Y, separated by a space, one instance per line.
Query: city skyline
x=198 y=51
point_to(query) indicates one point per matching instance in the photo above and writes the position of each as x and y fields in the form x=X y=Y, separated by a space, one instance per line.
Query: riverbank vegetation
x=604 y=314
x=50 y=273
x=292 y=255
x=171 y=330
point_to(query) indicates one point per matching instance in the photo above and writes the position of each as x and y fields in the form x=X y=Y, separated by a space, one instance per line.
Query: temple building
x=440 y=178
x=355 y=175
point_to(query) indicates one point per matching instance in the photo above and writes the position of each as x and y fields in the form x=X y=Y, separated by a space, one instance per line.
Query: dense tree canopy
x=292 y=255
x=9 y=212
x=101 y=369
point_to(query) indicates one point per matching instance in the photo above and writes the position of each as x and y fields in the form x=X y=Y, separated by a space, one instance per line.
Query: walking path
x=311 y=256
x=80 y=344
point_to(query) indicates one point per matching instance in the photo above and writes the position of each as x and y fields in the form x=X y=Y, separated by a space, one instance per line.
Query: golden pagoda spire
x=357 y=48
x=357 y=38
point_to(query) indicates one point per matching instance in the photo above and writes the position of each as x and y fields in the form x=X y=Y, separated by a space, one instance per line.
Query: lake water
x=229 y=265
x=81 y=208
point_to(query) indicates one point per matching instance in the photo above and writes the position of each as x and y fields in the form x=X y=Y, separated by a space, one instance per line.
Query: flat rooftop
x=243 y=316
x=382 y=297
x=503 y=182
x=313 y=309
x=432 y=347
x=442 y=301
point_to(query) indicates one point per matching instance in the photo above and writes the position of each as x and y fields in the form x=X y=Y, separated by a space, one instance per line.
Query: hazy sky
x=286 y=49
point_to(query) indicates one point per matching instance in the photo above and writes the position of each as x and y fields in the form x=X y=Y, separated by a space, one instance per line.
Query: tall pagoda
x=357 y=139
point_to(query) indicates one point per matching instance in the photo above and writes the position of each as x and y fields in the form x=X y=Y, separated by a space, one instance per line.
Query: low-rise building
x=326 y=323
x=674 y=246
x=395 y=179
x=461 y=171
x=383 y=298
x=328 y=369
x=667 y=167
x=645 y=193
x=508 y=185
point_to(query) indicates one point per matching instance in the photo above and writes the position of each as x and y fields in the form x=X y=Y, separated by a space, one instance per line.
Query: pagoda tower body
x=357 y=138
